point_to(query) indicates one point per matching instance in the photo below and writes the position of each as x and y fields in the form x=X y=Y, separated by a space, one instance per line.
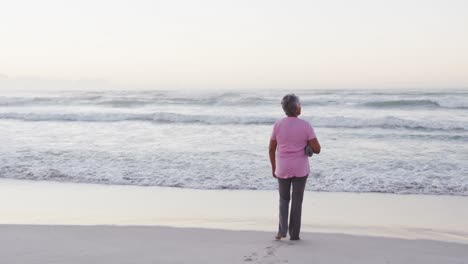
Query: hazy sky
x=240 y=43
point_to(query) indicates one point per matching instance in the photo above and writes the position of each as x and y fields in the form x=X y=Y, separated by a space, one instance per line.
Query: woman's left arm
x=315 y=145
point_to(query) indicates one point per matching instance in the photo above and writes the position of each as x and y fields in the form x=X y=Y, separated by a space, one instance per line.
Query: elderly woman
x=290 y=164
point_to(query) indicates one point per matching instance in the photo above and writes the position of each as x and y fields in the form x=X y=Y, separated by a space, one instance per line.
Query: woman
x=289 y=163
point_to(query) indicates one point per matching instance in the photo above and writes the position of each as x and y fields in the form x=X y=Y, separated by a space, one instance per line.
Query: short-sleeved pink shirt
x=292 y=135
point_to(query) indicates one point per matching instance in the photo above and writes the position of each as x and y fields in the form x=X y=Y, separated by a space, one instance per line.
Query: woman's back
x=292 y=135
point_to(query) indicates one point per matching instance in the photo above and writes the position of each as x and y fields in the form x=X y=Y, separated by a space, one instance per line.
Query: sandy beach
x=88 y=223
x=137 y=244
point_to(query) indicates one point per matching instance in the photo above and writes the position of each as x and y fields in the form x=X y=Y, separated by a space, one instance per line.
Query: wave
x=159 y=117
x=425 y=103
x=131 y=101
x=389 y=122
x=157 y=98
x=356 y=180
x=402 y=103
x=44 y=100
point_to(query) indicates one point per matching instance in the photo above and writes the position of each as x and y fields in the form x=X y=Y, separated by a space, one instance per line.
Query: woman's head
x=291 y=105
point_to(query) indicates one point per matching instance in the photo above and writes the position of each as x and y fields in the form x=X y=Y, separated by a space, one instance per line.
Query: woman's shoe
x=279 y=237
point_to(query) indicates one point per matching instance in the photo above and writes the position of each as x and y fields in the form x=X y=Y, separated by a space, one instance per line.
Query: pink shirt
x=292 y=135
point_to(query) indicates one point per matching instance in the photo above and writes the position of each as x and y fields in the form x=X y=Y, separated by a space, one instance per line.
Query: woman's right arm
x=315 y=145
x=272 y=152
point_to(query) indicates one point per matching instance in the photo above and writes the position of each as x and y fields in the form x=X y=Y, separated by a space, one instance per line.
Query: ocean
x=392 y=141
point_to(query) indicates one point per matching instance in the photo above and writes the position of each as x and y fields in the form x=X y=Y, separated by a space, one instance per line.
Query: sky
x=241 y=43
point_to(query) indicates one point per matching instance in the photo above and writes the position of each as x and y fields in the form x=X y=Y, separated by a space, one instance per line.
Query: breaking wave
x=389 y=122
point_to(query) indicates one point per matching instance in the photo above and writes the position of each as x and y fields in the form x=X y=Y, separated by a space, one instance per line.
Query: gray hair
x=290 y=103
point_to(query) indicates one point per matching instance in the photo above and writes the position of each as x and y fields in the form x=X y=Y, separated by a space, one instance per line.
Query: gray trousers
x=284 y=187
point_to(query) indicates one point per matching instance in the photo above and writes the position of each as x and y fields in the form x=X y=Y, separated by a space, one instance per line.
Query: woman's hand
x=273 y=173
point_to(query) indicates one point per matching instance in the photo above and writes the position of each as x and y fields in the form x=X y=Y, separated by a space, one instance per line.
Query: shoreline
x=176 y=187
x=432 y=217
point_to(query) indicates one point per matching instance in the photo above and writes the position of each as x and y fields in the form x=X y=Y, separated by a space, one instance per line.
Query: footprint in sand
x=269 y=252
x=251 y=257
